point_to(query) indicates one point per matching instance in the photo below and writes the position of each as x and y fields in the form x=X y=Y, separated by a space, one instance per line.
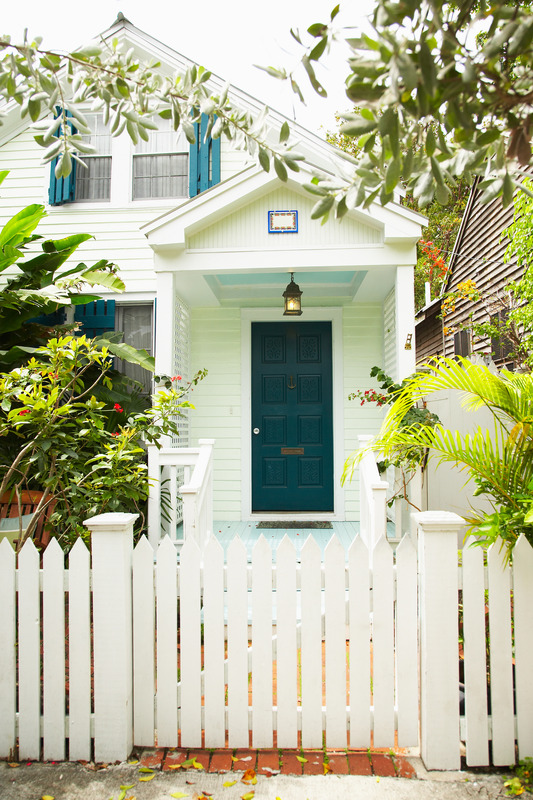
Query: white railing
x=181 y=490
x=372 y=499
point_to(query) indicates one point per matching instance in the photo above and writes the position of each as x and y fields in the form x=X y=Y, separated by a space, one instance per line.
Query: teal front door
x=292 y=417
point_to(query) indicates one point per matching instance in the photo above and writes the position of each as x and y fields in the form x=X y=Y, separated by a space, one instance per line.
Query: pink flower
x=176 y=378
x=118 y=408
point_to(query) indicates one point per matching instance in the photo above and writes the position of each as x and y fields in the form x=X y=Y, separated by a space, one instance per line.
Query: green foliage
x=522 y=780
x=499 y=460
x=56 y=435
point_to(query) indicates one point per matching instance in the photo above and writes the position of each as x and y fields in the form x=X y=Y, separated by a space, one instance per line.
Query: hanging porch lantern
x=293 y=299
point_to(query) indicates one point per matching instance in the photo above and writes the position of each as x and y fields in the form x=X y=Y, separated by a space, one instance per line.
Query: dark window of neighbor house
x=161 y=164
x=461 y=343
x=501 y=347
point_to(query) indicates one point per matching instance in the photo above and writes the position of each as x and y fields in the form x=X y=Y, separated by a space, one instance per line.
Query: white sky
x=226 y=37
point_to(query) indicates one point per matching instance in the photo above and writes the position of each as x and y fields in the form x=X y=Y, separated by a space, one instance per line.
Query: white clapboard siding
x=335 y=638
x=53 y=653
x=287 y=657
x=406 y=643
x=7 y=649
x=214 y=686
x=262 y=727
x=79 y=619
x=311 y=648
x=383 y=641
x=190 y=645
x=501 y=665
x=29 y=652
x=143 y=643
x=475 y=656
x=167 y=645
x=523 y=628
x=237 y=643
x=359 y=632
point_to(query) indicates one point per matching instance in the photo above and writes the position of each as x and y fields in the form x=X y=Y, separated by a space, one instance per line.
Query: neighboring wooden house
x=205 y=262
x=478 y=256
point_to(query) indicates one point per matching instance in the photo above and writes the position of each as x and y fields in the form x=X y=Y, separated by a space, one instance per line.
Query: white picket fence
x=218 y=652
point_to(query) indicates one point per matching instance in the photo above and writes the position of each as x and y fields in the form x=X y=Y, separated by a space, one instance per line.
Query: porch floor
x=225 y=531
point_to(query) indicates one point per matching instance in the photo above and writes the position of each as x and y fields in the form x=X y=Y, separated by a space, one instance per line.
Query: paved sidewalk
x=254 y=775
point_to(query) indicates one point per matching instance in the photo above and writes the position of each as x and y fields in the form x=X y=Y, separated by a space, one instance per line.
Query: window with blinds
x=93 y=182
x=161 y=164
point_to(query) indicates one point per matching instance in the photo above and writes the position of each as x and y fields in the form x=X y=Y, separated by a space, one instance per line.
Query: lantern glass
x=293 y=301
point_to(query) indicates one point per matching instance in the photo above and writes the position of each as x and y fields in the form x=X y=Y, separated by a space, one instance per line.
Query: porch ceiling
x=264 y=289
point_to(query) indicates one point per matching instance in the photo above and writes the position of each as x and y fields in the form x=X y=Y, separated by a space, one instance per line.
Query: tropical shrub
x=499 y=460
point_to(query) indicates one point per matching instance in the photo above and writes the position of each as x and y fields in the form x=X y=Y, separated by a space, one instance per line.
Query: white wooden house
x=205 y=265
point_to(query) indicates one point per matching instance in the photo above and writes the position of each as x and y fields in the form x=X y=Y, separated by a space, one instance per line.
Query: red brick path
x=286 y=762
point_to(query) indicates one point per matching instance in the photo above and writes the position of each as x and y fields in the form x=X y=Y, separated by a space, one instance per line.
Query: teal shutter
x=62 y=190
x=204 y=159
x=57 y=317
x=96 y=318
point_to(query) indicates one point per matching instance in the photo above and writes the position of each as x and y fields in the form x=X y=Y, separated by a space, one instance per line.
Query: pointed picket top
x=496 y=554
x=78 y=551
x=165 y=549
x=522 y=550
x=333 y=548
x=358 y=549
x=382 y=547
x=311 y=548
x=190 y=552
x=262 y=550
x=213 y=549
x=143 y=547
x=237 y=549
x=53 y=553
x=28 y=553
x=7 y=550
x=406 y=546
x=285 y=549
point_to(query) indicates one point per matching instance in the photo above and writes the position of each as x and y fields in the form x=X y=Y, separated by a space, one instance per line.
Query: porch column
x=164 y=324
x=405 y=322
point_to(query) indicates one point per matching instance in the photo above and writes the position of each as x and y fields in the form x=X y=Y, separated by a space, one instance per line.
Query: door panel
x=292 y=408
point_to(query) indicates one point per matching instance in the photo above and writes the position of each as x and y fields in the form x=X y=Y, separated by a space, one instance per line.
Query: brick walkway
x=284 y=762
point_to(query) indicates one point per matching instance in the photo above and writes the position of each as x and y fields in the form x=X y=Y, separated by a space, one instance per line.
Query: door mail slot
x=292 y=451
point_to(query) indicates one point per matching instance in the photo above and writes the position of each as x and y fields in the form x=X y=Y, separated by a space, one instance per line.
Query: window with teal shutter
x=96 y=318
x=204 y=160
x=62 y=190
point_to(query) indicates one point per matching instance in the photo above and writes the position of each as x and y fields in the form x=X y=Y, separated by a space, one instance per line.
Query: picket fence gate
x=143 y=650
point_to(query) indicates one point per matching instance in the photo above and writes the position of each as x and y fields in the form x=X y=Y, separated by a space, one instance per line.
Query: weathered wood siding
x=428 y=333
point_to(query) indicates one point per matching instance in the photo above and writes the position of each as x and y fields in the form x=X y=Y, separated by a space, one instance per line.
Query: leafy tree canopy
x=437 y=102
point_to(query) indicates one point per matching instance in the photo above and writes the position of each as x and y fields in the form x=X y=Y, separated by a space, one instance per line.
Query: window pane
x=135 y=322
x=160 y=176
x=93 y=182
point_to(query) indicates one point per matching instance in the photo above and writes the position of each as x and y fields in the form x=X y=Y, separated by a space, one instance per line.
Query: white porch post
x=405 y=322
x=112 y=553
x=164 y=324
x=439 y=632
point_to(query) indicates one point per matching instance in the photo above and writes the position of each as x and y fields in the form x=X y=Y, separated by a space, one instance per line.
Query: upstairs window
x=461 y=343
x=93 y=182
x=161 y=165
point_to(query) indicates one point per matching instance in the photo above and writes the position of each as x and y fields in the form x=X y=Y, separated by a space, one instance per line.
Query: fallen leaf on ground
x=302 y=759
x=197 y=765
x=248 y=776
x=148 y=777
x=179 y=794
x=174 y=766
x=327 y=768
x=229 y=783
x=247 y=796
x=125 y=788
x=47 y=797
x=9 y=764
x=234 y=758
x=135 y=761
x=145 y=769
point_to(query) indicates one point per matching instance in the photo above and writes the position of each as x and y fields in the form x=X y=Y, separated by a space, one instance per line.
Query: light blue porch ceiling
x=335 y=287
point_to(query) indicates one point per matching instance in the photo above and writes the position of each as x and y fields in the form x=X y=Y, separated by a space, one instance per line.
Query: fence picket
x=335 y=661
x=237 y=644
x=262 y=644
x=215 y=727
x=53 y=653
x=501 y=675
x=406 y=643
x=383 y=644
x=359 y=616
x=311 y=648
x=8 y=686
x=475 y=658
x=167 y=644
x=79 y=619
x=190 y=645
x=29 y=653
x=143 y=643
x=286 y=661
x=523 y=628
